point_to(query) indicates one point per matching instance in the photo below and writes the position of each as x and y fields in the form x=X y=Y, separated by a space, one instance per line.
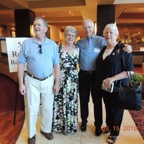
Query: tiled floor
x=128 y=135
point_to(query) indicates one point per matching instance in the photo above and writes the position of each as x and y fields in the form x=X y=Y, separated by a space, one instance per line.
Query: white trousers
x=36 y=92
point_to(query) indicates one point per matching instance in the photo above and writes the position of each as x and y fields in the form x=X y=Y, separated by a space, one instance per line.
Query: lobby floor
x=128 y=135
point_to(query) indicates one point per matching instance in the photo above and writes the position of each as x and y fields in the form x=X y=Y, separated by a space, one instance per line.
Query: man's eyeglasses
x=40 y=49
x=88 y=27
x=73 y=36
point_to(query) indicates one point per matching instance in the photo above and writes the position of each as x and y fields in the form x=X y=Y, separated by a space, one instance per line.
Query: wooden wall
x=132 y=34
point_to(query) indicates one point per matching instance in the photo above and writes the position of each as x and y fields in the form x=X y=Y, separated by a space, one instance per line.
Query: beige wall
x=54 y=33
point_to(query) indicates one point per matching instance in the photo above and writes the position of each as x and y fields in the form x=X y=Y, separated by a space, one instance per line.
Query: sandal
x=111 y=139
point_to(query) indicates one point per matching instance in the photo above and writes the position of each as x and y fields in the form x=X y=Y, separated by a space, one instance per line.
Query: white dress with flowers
x=65 y=110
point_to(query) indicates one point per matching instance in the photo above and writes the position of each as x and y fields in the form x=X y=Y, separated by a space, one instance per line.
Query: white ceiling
x=72 y=12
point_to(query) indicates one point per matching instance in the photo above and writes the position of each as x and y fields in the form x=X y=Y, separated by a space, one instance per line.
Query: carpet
x=138 y=117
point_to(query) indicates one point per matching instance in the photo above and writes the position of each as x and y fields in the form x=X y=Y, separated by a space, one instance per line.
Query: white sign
x=13 y=48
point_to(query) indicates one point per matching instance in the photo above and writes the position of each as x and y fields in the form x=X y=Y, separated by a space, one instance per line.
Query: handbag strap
x=131 y=79
x=123 y=68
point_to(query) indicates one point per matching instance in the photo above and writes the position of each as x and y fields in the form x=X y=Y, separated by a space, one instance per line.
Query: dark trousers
x=87 y=86
x=114 y=115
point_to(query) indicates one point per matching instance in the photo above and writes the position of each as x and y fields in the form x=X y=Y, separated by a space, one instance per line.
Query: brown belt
x=40 y=79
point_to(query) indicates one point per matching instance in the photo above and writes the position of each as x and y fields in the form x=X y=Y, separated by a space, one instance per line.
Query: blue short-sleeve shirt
x=39 y=65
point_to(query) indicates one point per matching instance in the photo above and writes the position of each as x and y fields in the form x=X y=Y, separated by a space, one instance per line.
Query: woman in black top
x=110 y=69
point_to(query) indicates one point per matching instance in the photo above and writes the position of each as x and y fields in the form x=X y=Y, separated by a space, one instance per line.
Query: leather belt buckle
x=40 y=79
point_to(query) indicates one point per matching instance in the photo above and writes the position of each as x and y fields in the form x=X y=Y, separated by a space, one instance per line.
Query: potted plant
x=137 y=78
x=138 y=82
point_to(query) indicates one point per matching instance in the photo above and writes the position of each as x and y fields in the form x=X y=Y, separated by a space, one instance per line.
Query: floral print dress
x=65 y=110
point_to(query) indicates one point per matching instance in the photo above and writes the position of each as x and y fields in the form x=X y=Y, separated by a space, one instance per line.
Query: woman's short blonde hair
x=72 y=29
x=111 y=26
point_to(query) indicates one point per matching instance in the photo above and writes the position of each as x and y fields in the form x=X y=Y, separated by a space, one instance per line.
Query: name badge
x=96 y=50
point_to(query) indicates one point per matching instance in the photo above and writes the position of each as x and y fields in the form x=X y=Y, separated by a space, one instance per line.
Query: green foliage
x=137 y=78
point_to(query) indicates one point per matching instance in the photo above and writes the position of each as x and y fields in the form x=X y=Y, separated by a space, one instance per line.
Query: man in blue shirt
x=90 y=47
x=41 y=56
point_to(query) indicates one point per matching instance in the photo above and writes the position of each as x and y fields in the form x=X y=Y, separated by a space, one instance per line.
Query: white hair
x=111 y=26
x=87 y=20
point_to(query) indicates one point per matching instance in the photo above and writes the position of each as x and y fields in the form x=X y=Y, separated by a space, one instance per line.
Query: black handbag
x=129 y=97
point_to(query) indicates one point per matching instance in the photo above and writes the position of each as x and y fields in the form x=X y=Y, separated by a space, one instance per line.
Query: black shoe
x=32 y=140
x=49 y=136
x=83 y=127
x=98 y=132
x=111 y=139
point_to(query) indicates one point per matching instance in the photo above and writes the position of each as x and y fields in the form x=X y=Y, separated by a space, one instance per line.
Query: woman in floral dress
x=65 y=111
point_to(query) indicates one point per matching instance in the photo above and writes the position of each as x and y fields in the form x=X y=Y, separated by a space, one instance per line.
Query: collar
x=36 y=41
x=90 y=37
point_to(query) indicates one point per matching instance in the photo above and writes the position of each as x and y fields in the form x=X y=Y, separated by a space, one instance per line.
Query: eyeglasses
x=73 y=36
x=40 y=49
x=88 y=27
